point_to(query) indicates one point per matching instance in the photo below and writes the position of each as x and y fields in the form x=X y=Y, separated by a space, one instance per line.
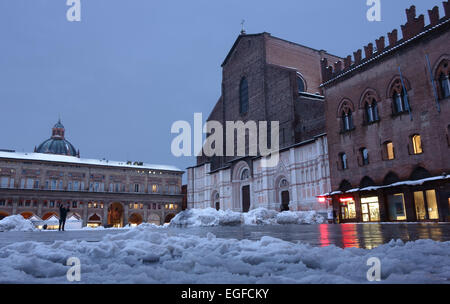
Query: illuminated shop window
x=347 y=208
x=397 y=210
x=370 y=209
x=426 y=205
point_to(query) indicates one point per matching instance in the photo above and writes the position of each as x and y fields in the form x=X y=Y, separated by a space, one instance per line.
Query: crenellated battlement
x=413 y=26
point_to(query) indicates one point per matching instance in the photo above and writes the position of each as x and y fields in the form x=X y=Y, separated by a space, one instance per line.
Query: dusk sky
x=119 y=78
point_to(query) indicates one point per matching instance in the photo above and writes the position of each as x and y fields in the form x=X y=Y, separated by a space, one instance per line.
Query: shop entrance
x=347 y=208
x=115 y=215
x=370 y=209
x=426 y=205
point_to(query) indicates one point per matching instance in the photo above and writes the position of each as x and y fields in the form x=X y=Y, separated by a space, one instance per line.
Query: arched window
x=243 y=96
x=417 y=144
x=301 y=84
x=399 y=99
x=345 y=113
x=245 y=174
x=364 y=156
x=443 y=79
x=371 y=111
x=343 y=161
x=347 y=121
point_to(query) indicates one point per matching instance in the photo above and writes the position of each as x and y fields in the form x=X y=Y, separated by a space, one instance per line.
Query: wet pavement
x=347 y=235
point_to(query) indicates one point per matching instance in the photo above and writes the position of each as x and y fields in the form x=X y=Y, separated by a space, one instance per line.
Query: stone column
x=15 y=202
x=125 y=213
x=105 y=213
x=146 y=206
x=84 y=216
x=39 y=212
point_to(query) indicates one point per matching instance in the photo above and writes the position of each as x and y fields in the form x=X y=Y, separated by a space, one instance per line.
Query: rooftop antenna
x=243 y=29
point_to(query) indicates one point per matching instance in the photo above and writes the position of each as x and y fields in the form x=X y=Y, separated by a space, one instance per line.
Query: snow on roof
x=403 y=183
x=81 y=161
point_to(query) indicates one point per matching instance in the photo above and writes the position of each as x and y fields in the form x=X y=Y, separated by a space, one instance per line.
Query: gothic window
x=346 y=115
x=399 y=98
x=443 y=79
x=370 y=109
x=343 y=161
x=364 y=156
x=347 y=121
x=243 y=96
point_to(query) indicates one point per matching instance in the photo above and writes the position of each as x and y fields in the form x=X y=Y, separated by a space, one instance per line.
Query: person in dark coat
x=62 y=217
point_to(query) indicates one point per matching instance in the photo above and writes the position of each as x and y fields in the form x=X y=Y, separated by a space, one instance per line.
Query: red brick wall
x=431 y=125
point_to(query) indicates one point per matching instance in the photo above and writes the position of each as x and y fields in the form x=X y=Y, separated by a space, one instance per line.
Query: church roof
x=82 y=161
x=57 y=144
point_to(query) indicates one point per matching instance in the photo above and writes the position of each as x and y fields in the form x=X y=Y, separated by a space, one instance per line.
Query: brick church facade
x=388 y=125
x=265 y=78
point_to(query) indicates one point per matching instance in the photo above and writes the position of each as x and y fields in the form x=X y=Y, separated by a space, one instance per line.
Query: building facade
x=99 y=192
x=388 y=125
x=264 y=79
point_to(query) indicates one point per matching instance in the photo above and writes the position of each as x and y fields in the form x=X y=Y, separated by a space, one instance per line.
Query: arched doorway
x=245 y=176
x=135 y=219
x=169 y=217
x=115 y=215
x=94 y=221
x=154 y=219
x=3 y=215
x=216 y=201
x=284 y=196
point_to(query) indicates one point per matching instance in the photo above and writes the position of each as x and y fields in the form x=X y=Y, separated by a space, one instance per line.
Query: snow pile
x=211 y=217
x=16 y=223
x=206 y=218
x=145 y=255
x=260 y=216
x=300 y=217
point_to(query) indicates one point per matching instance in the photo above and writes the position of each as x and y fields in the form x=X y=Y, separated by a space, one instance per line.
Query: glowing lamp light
x=322 y=199
x=347 y=199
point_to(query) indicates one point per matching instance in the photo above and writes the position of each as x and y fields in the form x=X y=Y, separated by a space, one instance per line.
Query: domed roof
x=57 y=144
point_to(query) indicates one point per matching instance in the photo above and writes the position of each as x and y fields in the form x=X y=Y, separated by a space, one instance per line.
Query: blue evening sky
x=130 y=68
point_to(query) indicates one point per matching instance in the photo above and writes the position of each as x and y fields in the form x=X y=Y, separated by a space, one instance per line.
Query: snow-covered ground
x=148 y=255
x=211 y=217
x=16 y=223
